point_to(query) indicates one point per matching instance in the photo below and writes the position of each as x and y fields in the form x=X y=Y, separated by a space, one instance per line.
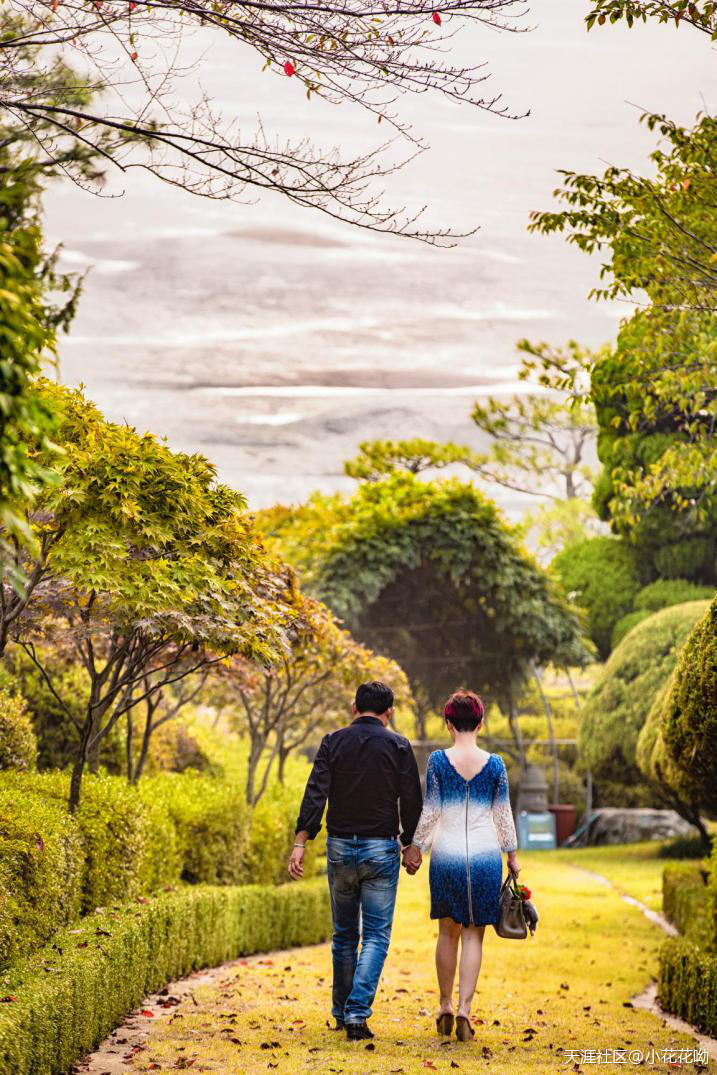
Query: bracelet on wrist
x=299 y=845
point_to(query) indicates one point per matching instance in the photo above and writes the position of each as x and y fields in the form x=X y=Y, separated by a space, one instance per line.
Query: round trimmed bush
x=689 y=717
x=18 y=746
x=626 y=624
x=666 y=592
x=601 y=575
x=618 y=705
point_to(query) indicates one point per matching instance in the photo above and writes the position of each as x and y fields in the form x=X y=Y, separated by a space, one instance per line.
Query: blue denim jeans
x=363 y=878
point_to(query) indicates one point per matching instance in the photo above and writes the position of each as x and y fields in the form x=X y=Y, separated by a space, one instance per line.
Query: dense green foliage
x=688 y=964
x=602 y=576
x=689 y=718
x=18 y=745
x=618 y=705
x=625 y=624
x=146 y=571
x=430 y=574
x=659 y=594
x=125 y=842
x=655 y=394
x=666 y=592
x=687 y=984
x=686 y=901
x=42 y=866
x=68 y=996
x=25 y=336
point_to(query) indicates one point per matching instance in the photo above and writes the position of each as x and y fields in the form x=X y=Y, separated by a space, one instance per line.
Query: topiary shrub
x=602 y=576
x=659 y=769
x=41 y=869
x=666 y=592
x=689 y=718
x=618 y=705
x=626 y=624
x=18 y=746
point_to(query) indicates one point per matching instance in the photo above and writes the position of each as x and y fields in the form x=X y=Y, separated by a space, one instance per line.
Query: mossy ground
x=565 y=989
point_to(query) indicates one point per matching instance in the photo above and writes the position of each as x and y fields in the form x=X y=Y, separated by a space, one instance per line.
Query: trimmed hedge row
x=688 y=964
x=688 y=983
x=67 y=997
x=124 y=842
x=687 y=901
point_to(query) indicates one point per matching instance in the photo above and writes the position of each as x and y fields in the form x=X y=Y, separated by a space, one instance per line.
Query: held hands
x=513 y=863
x=412 y=859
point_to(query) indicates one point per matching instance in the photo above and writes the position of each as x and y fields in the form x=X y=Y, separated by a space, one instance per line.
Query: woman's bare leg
x=446 y=959
x=471 y=955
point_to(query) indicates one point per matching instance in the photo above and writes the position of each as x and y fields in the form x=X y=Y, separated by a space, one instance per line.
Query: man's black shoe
x=340 y=1025
x=358 y=1031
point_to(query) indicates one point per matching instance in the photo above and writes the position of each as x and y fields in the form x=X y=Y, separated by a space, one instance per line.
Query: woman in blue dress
x=468 y=824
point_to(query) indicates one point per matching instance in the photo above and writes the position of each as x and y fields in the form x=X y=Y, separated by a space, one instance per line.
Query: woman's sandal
x=464 y=1030
x=444 y=1024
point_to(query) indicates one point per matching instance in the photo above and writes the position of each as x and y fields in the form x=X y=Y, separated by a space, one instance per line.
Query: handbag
x=511 y=916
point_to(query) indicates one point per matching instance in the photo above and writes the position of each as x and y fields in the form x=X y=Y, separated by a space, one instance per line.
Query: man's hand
x=412 y=858
x=296 y=862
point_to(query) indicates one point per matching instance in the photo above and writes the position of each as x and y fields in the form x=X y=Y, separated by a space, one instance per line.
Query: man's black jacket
x=370 y=777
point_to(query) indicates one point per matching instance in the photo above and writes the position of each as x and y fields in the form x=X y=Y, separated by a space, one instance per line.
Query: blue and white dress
x=467 y=824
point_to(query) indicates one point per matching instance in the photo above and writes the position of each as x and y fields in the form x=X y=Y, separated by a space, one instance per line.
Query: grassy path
x=565 y=989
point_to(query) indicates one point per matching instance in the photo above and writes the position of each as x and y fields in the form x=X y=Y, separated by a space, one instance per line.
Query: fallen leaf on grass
x=146 y=1012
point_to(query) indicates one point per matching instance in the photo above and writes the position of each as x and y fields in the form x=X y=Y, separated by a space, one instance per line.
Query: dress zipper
x=468 y=862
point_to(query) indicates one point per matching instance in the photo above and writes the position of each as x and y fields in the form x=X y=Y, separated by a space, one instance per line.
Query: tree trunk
x=551 y=737
x=421 y=720
x=515 y=730
x=79 y=766
x=144 y=749
x=93 y=757
x=255 y=752
x=283 y=755
x=129 y=750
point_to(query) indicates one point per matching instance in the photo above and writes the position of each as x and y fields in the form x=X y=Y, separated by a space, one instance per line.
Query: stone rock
x=613 y=825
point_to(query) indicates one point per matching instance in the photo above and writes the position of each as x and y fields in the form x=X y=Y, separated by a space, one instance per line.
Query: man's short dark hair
x=374 y=697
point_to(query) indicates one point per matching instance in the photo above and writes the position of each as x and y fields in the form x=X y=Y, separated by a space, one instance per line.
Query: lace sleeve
x=430 y=815
x=502 y=813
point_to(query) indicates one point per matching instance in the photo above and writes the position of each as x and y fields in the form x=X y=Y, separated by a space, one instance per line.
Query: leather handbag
x=511 y=916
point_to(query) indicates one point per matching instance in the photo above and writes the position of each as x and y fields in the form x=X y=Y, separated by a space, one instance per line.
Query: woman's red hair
x=465 y=710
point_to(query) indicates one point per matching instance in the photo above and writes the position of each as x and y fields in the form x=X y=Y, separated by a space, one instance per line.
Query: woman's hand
x=412 y=858
x=513 y=863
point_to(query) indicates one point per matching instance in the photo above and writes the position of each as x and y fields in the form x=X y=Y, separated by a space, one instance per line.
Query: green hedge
x=18 y=745
x=127 y=841
x=688 y=983
x=41 y=871
x=212 y=822
x=67 y=997
x=687 y=901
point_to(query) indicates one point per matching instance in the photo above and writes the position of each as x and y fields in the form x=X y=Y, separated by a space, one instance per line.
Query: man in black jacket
x=370 y=778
